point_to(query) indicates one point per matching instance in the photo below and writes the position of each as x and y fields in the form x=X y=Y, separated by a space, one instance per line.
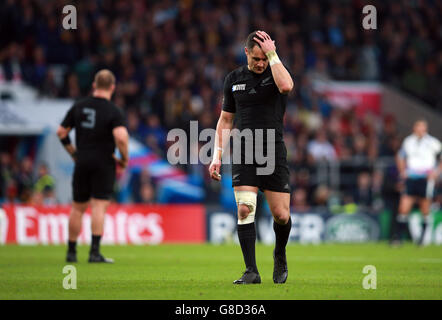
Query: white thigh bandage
x=247 y=198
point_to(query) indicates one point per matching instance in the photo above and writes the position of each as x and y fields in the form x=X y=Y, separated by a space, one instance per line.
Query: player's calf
x=246 y=201
x=282 y=232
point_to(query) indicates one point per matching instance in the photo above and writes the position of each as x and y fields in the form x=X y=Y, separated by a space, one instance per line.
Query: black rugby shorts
x=93 y=179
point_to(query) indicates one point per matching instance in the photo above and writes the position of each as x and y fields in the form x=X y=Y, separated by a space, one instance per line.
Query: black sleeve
x=69 y=119
x=228 y=100
x=118 y=118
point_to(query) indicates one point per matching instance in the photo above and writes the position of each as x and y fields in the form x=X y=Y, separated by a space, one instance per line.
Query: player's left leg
x=77 y=210
x=103 y=179
x=99 y=207
x=279 y=203
x=81 y=196
x=245 y=197
x=406 y=203
x=424 y=206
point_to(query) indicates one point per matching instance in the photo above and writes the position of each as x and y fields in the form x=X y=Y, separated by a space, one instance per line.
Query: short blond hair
x=104 y=79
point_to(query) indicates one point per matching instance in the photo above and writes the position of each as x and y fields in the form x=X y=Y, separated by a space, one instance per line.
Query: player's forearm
x=121 y=137
x=63 y=135
x=71 y=150
x=123 y=147
x=223 y=129
x=282 y=77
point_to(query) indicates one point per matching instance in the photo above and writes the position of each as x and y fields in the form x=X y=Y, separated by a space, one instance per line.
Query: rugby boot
x=71 y=257
x=249 y=277
x=280 y=271
x=98 y=258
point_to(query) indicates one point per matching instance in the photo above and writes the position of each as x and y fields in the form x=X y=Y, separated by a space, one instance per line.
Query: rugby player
x=99 y=127
x=419 y=168
x=257 y=95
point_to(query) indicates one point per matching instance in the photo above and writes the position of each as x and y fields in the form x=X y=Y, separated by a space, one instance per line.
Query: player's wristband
x=273 y=57
x=66 y=141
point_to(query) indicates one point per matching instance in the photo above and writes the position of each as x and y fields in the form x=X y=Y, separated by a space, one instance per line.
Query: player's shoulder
x=107 y=105
x=117 y=112
x=236 y=74
x=80 y=102
x=116 y=108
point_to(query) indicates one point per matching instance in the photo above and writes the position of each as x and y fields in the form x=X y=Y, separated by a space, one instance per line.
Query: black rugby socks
x=282 y=233
x=424 y=229
x=72 y=246
x=402 y=225
x=95 y=246
x=247 y=239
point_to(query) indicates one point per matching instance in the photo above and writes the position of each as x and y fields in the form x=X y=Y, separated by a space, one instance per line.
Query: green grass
x=328 y=271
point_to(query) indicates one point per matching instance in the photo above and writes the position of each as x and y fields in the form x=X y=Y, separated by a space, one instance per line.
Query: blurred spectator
x=44 y=188
x=139 y=181
x=25 y=181
x=369 y=59
x=363 y=195
x=320 y=149
x=321 y=198
x=147 y=194
x=153 y=131
x=6 y=175
x=299 y=201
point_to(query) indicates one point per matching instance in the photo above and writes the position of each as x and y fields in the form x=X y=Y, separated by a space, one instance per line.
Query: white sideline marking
x=351 y=259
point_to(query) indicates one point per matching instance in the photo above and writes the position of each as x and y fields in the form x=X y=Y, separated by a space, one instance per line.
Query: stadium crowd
x=19 y=183
x=171 y=57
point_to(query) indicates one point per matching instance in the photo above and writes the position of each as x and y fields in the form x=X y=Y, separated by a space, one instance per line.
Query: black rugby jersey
x=257 y=103
x=94 y=119
x=255 y=99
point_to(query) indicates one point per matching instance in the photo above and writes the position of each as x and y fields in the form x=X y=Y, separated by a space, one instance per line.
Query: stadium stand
x=171 y=57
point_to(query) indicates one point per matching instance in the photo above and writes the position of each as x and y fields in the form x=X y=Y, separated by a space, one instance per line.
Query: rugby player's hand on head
x=214 y=169
x=265 y=42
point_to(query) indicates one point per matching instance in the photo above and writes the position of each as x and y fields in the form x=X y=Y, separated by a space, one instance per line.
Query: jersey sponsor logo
x=266 y=82
x=238 y=87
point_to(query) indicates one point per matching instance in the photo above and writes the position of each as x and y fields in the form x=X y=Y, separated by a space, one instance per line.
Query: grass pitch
x=328 y=271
